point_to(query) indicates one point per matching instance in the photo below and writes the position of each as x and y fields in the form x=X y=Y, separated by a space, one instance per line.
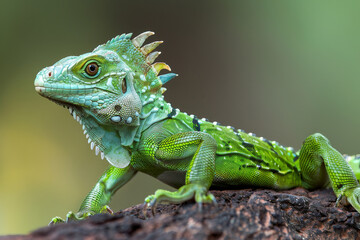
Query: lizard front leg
x=201 y=148
x=320 y=162
x=97 y=199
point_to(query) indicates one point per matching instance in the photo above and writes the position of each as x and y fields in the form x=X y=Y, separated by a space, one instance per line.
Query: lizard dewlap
x=115 y=93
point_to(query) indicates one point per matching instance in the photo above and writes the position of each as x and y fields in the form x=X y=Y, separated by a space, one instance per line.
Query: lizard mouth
x=48 y=89
x=39 y=89
x=63 y=104
x=64 y=95
x=53 y=89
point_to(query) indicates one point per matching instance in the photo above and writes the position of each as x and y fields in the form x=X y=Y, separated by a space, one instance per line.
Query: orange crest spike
x=160 y=66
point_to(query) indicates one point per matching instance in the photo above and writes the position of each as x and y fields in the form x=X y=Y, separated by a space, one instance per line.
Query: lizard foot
x=183 y=194
x=71 y=216
x=351 y=196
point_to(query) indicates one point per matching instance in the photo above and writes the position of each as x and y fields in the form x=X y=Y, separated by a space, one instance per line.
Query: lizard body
x=115 y=92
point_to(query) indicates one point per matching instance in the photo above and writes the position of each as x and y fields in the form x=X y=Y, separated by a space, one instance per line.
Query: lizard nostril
x=50 y=74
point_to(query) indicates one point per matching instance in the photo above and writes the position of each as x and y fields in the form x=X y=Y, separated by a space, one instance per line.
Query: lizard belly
x=238 y=172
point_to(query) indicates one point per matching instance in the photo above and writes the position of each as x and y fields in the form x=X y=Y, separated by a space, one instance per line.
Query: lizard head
x=109 y=88
x=111 y=83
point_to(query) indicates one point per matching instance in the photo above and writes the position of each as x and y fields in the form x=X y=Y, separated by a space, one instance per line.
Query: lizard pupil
x=92 y=69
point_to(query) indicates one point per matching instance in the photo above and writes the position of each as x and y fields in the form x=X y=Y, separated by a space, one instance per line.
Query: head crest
x=141 y=59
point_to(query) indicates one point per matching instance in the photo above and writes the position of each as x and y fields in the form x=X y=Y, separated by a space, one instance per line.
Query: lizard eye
x=92 y=69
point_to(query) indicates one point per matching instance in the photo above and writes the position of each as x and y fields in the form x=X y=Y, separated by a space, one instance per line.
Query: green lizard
x=115 y=93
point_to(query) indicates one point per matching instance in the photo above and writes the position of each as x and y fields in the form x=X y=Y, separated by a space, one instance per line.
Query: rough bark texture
x=240 y=214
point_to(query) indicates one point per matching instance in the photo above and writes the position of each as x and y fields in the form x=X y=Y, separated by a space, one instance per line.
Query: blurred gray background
x=280 y=69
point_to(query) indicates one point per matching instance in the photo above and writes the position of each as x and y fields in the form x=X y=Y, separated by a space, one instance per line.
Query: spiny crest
x=118 y=38
x=141 y=59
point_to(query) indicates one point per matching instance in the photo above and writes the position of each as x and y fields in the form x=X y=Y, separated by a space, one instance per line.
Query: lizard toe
x=353 y=197
x=56 y=220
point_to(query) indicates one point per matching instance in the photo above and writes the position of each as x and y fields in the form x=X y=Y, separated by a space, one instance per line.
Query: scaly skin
x=115 y=92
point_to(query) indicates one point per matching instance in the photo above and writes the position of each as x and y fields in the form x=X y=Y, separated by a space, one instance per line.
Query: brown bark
x=240 y=214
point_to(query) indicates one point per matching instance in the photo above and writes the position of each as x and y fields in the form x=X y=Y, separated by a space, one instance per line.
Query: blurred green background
x=280 y=69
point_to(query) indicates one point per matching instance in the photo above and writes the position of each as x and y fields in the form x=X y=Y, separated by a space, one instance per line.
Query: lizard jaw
x=77 y=113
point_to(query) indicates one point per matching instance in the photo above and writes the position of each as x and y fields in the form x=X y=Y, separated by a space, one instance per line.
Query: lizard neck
x=115 y=142
x=111 y=142
x=154 y=109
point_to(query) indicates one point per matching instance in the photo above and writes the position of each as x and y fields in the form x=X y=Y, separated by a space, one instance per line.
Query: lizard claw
x=200 y=206
x=106 y=209
x=151 y=201
x=213 y=199
x=71 y=216
x=184 y=193
x=209 y=198
x=56 y=220
x=78 y=216
x=144 y=209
